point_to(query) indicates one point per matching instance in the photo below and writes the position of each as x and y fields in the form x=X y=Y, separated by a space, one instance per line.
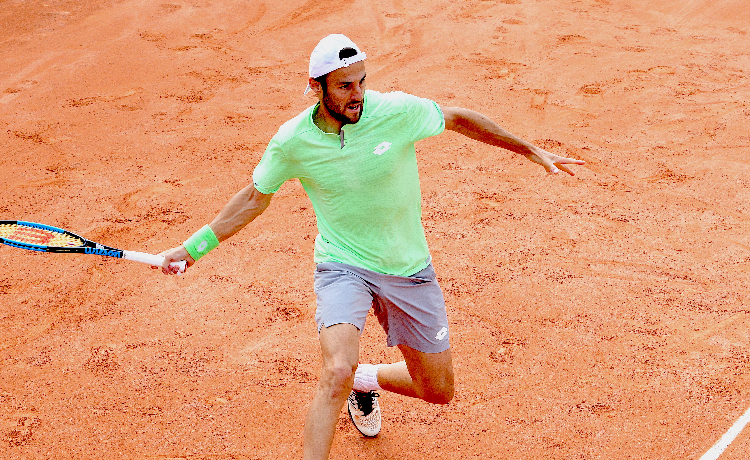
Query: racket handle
x=151 y=259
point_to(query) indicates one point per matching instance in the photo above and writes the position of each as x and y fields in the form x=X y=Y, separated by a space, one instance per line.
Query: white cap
x=326 y=57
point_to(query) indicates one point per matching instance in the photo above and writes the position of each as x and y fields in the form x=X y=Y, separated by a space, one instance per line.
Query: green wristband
x=201 y=243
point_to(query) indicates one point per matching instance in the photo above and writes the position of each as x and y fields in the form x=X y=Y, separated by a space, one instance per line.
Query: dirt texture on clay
x=601 y=316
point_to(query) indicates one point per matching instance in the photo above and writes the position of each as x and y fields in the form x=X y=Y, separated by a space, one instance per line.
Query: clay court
x=601 y=316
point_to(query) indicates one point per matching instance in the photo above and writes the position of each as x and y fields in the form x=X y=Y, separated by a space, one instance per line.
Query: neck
x=325 y=121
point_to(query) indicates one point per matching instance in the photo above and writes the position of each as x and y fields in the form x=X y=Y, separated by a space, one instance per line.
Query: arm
x=478 y=127
x=242 y=209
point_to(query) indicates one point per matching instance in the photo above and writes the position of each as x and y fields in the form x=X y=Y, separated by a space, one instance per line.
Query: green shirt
x=363 y=184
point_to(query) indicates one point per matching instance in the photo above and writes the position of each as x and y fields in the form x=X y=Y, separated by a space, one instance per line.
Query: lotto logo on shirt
x=382 y=148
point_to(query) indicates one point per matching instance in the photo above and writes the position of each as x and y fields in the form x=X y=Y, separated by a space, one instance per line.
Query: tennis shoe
x=364 y=411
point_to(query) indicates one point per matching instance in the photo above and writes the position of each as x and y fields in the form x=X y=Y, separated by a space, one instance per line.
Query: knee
x=439 y=391
x=337 y=379
x=440 y=394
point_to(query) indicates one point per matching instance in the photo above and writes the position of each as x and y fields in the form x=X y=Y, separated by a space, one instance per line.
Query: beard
x=339 y=112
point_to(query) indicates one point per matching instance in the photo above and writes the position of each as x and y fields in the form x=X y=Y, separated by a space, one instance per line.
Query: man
x=354 y=154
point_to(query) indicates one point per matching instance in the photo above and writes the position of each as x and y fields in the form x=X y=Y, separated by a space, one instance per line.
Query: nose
x=358 y=91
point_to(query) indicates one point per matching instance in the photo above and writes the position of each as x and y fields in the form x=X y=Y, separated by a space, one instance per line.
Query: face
x=344 y=94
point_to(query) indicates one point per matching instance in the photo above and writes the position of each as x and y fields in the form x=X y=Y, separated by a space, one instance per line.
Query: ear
x=315 y=86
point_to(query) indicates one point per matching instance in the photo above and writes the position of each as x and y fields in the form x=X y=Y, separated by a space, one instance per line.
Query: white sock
x=366 y=377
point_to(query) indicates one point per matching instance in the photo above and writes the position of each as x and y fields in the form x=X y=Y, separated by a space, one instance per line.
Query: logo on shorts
x=382 y=148
x=442 y=333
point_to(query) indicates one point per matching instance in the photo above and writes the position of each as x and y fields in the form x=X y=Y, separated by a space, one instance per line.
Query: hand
x=553 y=163
x=175 y=255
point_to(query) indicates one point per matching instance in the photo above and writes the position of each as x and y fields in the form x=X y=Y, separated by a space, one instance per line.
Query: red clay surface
x=601 y=316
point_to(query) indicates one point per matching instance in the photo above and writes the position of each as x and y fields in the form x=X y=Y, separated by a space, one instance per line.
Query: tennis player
x=354 y=154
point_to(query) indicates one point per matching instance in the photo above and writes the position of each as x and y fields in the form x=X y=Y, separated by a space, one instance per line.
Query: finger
x=567 y=169
x=166 y=267
x=174 y=268
x=570 y=161
x=189 y=259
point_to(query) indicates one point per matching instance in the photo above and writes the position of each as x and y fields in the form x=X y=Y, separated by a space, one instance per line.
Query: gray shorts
x=411 y=309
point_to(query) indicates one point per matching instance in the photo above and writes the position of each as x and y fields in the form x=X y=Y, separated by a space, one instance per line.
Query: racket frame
x=87 y=246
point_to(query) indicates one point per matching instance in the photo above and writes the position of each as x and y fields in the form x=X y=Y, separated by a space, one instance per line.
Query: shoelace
x=365 y=401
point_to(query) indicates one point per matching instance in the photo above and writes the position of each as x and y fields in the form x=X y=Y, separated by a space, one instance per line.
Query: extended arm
x=242 y=209
x=478 y=127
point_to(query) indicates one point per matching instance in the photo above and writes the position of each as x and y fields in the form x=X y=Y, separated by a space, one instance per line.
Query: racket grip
x=151 y=259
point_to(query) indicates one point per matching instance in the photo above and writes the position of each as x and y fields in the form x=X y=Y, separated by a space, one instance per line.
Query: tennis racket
x=45 y=238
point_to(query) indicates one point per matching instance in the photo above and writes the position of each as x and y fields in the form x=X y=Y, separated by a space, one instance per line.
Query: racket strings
x=38 y=236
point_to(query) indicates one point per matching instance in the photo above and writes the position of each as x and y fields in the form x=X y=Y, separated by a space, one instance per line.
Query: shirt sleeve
x=424 y=116
x=273 y=169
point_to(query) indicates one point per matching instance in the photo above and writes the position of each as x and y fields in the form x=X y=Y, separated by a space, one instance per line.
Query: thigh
x=342 y=297
x=412 y=311
x=339 y=346
x=432 y=372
